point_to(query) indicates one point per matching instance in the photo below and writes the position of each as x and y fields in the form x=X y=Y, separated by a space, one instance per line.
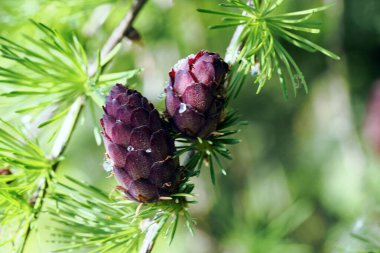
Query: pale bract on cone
x=195 y=94
x=138 y=146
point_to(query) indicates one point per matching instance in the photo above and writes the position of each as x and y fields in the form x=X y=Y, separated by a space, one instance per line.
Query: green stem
x=151 y=234
x=67 y=127
x=234 y=47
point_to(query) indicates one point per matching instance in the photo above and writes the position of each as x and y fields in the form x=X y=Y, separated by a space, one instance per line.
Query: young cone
x=195 y=94
x=138 y=146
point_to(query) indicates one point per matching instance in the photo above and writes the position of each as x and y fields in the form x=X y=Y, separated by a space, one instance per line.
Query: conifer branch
x=71 y=119
x=257 y=43
x=59 y=146
x=23 y=165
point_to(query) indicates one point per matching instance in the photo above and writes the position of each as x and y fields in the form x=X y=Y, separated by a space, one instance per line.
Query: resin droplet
x=255 y=69
x=107 y=165
x=148 y=150
x=182 y=108
x=130 y=148
x=161 y=96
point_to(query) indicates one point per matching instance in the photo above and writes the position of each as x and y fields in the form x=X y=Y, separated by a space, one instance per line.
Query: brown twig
x=124 y=27
x=72 y=116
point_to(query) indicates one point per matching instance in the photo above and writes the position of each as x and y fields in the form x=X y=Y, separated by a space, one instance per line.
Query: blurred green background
x=303 y=176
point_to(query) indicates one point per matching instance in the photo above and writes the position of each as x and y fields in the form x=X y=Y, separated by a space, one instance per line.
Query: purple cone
x=138 y=146
x=195 y=94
